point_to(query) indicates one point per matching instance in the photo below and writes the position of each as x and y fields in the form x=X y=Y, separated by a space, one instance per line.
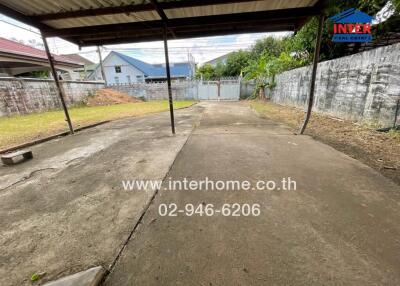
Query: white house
x=123 y=69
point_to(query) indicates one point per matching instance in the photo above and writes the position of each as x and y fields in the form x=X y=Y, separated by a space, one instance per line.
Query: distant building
x=220 y=59
x=87 y=66
x=17 y=59
x=123 y=69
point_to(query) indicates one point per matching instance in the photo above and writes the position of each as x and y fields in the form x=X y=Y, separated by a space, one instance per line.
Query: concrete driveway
x=66 y=210
x=340 y=227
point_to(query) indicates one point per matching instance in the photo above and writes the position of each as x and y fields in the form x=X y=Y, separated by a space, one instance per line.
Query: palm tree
x=264 y=70
x=260 y=71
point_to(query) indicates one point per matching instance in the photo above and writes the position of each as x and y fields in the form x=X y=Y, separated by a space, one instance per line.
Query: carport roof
x=97 y=22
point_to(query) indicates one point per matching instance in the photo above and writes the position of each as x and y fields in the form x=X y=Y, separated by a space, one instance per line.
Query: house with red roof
x=17 y=59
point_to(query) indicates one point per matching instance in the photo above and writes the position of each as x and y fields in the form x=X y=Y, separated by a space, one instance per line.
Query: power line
x=15 y=25
x=207 y=48
x=217 y=47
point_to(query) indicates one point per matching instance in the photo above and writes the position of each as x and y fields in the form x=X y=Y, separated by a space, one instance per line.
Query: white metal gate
x=208 y=90
x=224 y=89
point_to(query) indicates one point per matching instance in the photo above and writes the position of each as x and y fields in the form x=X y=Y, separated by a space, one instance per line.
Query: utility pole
x=103 y=73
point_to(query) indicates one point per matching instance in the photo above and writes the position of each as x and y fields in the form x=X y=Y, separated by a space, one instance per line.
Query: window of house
x=128 y=79
x=116 y=79
x=139 y=78
x=117 y=69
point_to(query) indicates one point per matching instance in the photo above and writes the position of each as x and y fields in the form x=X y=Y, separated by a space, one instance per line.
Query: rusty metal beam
x=314 y=72
x=159 y=10
x=157 y=35
x=162 y=15
x=167 y=68
x=262 y=18
x=59 y=87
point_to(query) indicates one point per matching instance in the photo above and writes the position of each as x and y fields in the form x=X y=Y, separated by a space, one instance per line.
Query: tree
x=257 y=71
x=396 y=4
x=36 y=74
x=236 y=62
x=270 y=45
x=271 y=56
x=303 y=42
x=206 y=72
x=264 y=70
x=220 y=69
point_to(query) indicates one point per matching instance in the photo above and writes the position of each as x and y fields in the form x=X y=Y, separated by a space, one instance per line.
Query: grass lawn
x=19 y=129
x=361 y=141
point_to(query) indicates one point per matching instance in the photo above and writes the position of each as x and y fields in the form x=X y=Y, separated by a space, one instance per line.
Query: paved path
x=340 y=227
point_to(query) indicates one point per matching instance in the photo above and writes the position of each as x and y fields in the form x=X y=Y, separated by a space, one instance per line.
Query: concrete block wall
x=183 y=90
x=360 y=87
x=22 y=96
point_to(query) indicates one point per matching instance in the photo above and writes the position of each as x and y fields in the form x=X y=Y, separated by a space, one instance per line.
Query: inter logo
x=351 y=25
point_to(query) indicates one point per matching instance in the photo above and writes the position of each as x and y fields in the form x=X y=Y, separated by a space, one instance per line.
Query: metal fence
x=223 y=89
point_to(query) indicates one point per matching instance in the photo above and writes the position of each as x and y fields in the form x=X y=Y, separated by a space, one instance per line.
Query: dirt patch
x=107 y=96
x=381 y=151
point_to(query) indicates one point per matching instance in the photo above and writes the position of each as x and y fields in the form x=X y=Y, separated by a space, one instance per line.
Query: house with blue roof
x=123 y=69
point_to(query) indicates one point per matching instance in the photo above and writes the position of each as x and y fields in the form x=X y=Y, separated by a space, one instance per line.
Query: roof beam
x=162 y=15
x=143 y=27
x=185 y=35
x=133 y=8
x=155 y=34
x=159 y=10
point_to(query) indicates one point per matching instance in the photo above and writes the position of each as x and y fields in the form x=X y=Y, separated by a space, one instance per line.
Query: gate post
x=219 y=89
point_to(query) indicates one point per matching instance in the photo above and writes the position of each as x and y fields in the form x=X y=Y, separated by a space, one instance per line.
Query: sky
x=202 y=49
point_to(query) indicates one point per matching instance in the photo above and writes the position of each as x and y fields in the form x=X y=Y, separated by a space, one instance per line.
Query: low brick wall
x=22 y=96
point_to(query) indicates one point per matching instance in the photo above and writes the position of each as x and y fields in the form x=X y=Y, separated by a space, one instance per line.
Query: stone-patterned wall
x=360 y=87
x=21 y=96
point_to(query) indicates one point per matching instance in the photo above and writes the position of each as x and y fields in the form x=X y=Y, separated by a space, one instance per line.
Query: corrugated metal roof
x=39 y=7
x=112 y=21
x=231 y=8
x=104 y=20
x=42 y=7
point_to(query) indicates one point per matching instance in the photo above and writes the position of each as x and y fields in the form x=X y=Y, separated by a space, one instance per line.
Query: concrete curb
x=90 y=277
x=62 y=134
